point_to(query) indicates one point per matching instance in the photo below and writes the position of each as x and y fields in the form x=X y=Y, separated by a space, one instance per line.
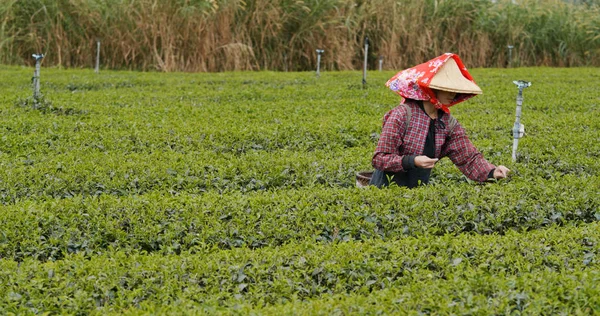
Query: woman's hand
x=501 y=172
x=426 y=162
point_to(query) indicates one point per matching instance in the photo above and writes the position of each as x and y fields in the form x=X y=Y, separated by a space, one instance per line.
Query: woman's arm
x=465 y=156
x=386 y=157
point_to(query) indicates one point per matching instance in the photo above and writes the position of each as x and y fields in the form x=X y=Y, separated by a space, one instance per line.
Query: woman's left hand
x=501 y=172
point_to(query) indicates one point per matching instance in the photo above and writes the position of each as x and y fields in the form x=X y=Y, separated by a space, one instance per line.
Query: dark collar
x=439 y=114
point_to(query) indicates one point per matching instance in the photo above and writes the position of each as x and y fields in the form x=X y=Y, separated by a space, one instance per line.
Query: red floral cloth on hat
x=413 y=83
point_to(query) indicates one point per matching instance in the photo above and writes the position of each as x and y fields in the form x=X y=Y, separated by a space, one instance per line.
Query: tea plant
x=235 y=193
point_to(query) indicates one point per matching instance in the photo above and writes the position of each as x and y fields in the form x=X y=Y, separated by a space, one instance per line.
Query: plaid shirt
x=396 y=141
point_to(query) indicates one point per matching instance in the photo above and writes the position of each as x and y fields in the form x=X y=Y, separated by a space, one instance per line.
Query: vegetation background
x=226 y=35
x=234 y=192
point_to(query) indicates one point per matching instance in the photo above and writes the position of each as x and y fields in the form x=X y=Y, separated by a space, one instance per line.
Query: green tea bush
x=235 y=193
x=545 y=271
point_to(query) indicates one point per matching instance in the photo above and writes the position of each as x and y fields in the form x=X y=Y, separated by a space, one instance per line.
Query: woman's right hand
x=425 y=162
x=501 y=172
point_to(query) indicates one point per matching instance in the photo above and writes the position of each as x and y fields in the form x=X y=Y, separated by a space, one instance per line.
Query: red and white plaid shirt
x=396 y=141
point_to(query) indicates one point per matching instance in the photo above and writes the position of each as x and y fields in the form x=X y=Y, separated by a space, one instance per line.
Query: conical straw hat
x=450 y=78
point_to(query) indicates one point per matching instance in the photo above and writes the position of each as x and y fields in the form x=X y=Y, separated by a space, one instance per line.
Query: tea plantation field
x=234 y=193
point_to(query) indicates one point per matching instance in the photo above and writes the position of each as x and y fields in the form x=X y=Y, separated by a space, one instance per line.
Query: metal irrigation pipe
x=380 y=62
x=36 y=77
x=510 y=48
x=319 y=52
x=364 y=81
x=97 y=69
x=517 y=128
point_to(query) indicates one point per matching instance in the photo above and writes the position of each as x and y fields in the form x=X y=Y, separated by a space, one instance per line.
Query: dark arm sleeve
x=408 y=162
x=491 y=174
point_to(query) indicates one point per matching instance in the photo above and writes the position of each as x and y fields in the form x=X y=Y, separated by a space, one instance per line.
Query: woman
x=420 y=131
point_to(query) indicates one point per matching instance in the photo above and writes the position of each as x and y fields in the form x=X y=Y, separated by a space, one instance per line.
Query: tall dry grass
x=224 y=35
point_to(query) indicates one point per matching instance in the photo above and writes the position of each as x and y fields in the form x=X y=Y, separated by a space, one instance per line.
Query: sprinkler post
x=517 y=127
x=97 y=69
x=364 y=81
x=319 y=52
x=36 y=77
x=510 y=48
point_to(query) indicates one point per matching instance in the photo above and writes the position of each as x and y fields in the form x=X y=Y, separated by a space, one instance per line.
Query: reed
x=227 y=35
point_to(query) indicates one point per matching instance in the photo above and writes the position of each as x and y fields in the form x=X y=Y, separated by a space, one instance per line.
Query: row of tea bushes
x=542 y=272
x=170 y=224
x=72 y=174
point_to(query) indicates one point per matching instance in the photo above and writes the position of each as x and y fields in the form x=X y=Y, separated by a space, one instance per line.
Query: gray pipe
x=364 y=81
x=36 y=77
x=319 y=52
x=521 y=84
x=97 y=69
